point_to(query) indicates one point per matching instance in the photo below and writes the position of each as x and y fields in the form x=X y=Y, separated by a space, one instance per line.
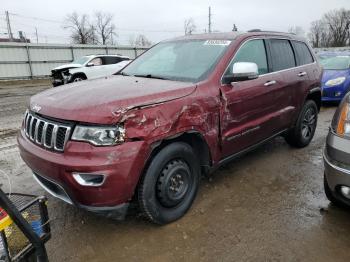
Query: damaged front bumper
x=121 y=165
x=58 y=81
x=115 y=212
x=59 y=78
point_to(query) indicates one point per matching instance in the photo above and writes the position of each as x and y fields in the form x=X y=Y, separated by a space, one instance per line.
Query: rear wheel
x=170 y=184
x=304 y=130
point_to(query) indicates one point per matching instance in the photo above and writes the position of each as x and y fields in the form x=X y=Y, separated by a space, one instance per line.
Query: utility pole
x=36 y=33
x=209 y=24
x=112 y=43
x=9 y=31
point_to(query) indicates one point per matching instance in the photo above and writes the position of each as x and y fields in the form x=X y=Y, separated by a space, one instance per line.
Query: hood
x=332 y=74
x=67 y=66
x=104 y=101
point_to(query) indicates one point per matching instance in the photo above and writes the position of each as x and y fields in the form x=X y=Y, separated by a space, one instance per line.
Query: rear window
x=282 y=54
x=302 y=53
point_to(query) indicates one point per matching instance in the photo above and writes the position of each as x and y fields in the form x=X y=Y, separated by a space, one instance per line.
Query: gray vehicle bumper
x=337 y=164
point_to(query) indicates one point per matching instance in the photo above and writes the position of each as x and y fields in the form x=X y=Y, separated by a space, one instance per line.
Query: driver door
x=248 y=107
x=95 y=69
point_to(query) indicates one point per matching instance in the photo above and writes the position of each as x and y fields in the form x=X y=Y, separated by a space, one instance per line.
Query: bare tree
x=141 y=40
x=319 y=34
x=82 y=32
x=132 y=40
x=332 y=30
x=189 y=26
x=105 y=28
x=297 y=30
x=338 y=22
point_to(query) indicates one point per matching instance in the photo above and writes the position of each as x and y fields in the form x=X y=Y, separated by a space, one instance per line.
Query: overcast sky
x=161 y=19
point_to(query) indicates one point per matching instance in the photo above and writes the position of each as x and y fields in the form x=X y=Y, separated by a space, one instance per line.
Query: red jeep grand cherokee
x=183 y=108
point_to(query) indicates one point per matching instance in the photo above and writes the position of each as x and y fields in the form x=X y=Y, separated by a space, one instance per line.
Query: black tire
x=303 y=132
x=170 y=184
x=78 y=78
x=330 y=196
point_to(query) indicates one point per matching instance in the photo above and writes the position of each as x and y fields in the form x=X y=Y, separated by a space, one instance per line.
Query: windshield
x=81 y=60
x=179 y=60
x=336 y=63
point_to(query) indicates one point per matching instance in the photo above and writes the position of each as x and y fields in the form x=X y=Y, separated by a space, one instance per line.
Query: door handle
x=270 y=83
x=301 y=74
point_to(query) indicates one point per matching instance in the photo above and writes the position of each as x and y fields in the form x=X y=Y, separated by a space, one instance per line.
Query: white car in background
x=88 y=67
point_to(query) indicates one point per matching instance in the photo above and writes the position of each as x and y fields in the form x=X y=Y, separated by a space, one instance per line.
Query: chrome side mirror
x=242 y=71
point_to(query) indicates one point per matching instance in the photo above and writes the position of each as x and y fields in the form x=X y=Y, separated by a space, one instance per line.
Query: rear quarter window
x=282 y=54
x=302 y=53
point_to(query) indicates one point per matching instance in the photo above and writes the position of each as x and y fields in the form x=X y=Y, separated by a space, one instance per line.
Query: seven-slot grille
x=47 y=133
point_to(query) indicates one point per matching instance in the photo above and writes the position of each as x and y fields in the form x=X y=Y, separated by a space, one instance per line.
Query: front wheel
x=303 y=132
x=78 y=78
x=170 y=184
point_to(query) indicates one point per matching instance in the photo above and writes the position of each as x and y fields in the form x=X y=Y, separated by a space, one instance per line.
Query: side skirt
x=230 y=158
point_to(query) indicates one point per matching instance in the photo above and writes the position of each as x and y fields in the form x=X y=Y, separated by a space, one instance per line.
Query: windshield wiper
x=123 y=74
x=151 y=76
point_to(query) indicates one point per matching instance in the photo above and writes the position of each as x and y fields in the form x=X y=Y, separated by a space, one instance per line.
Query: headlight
x=342 y=125
x=335 y=81
x=99 y=135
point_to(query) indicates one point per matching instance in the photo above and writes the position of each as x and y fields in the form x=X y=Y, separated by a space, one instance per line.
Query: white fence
x=332 y=49
x=28 y=61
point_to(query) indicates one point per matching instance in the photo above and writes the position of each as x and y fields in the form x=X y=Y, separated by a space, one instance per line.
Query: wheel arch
x=193 y=138
x=315 y=95
x=78 y=74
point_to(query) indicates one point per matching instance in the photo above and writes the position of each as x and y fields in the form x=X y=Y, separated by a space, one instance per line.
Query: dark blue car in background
x=336 y=76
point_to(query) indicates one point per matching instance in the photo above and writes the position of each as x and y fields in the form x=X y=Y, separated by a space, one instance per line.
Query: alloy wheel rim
x=308 y=124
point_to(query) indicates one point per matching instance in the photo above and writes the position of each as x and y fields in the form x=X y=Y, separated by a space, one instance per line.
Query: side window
x=109 y=60
x=302 y=53
x=282 y=54
x=254 y=52
x=96 y=61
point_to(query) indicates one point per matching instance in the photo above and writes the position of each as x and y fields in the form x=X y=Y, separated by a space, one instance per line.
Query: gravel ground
x=268 y=205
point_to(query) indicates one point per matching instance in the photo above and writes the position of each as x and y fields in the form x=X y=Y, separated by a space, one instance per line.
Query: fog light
x=337 y=94
x=345 y=191
x=89 y=179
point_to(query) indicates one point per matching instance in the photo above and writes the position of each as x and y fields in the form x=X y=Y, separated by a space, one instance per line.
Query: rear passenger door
x=112 y=64
x=306 y=76
x=283 y=63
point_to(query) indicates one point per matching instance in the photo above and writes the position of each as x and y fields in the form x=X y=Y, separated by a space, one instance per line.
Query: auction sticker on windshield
x=217 y=42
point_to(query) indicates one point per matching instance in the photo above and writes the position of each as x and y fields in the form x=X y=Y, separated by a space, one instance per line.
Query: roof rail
x=104 y=55
x=269 y=31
